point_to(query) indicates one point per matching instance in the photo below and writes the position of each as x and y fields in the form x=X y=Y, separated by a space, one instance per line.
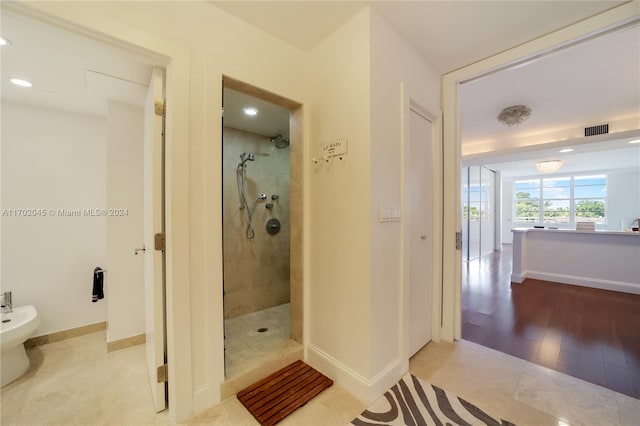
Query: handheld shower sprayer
x=241 y=175
x=244 y=157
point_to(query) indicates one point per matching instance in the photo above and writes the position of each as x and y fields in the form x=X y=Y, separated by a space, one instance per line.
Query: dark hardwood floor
x=587 y=333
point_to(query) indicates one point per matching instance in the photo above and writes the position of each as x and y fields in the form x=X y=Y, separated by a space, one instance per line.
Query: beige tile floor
x=75 y=382
x=245 y=345
x=520 y=391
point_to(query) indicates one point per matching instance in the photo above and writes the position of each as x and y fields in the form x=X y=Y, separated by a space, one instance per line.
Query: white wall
x=623 y=201
x=53 y=160
x=393 y=63
x=623 y=198
x=355 y=295
x=124 y=289
x=339 y=291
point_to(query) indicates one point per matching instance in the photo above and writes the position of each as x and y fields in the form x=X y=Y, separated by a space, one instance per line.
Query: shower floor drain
x=262 y=329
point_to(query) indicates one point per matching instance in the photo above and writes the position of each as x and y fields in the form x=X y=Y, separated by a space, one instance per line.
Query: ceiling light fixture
x=549 y=166
x=514 y=115
x=635 y=141
x=3 y=41
x=567 y=150
x=20 y=82
x=250 y=111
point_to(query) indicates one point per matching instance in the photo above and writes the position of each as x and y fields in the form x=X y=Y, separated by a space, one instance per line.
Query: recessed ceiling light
x=3 y=41
x=250 y=111
x=21 y=82
x=567 y=150
x=635 y=141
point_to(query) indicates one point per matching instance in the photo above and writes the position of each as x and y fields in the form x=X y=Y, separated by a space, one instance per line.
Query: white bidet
x=15 y=328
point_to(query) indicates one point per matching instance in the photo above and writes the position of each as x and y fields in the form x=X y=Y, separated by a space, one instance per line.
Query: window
x=475 y=192
x=556 y=200
x=590 y=195
x=527 y=201
x=561 y=200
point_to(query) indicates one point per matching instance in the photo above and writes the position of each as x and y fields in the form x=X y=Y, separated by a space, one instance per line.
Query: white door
x=419 y=226
x=154 y=224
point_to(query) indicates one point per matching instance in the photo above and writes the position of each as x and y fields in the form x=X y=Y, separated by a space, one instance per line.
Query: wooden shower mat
x=280 y=394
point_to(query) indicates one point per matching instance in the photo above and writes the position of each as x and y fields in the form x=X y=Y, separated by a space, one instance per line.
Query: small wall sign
x=336 y=148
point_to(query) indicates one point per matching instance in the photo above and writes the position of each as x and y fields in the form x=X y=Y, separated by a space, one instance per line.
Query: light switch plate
x=388 y=213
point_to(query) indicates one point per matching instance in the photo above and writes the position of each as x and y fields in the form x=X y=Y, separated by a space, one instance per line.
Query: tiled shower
x=257 y=263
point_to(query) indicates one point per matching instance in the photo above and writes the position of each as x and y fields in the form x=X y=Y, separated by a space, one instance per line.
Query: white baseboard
x=363 y=389
x=624 y=287
x=201 y=399
x=518 y=278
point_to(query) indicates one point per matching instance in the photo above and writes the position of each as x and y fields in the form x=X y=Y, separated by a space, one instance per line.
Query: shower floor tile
x=245 y=346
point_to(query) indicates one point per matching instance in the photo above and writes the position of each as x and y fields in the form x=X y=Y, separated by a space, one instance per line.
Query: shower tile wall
x=256 y=272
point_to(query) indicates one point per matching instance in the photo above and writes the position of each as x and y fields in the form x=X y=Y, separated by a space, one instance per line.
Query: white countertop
x=573 y=231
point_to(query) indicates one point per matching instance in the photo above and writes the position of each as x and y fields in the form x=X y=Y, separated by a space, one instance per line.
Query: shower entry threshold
x=254 y=369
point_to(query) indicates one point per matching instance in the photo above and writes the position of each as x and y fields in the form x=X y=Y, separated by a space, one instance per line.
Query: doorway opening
x=81 y=130
x=262 y=226
x=536 y=320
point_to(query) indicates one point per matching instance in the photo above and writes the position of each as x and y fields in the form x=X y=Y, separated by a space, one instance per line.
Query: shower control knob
x=273 y=226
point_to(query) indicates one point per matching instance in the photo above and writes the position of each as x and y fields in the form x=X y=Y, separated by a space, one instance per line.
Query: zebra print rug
x=413 y=402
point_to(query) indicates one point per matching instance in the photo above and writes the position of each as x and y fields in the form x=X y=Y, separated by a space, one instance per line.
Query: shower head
x=279 y=141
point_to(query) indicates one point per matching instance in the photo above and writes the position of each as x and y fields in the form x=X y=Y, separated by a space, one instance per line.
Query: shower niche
x=256 y=260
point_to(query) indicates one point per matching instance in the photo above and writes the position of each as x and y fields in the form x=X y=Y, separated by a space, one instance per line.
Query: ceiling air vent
x=602 y=129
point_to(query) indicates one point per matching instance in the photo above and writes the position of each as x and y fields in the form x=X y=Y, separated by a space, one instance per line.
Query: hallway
x=587 y=333
x=76 y=382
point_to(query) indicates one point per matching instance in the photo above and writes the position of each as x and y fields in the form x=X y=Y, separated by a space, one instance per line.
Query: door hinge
x=160 y=107
x=160 y=241
x=459 y=240
x=163 y=373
